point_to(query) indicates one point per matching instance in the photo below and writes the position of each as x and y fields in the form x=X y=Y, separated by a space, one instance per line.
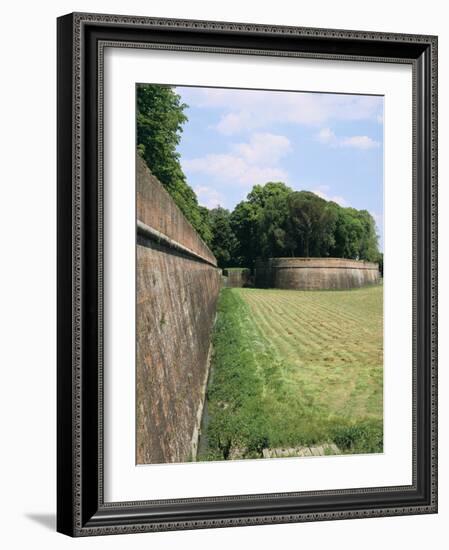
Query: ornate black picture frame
x=81 y=510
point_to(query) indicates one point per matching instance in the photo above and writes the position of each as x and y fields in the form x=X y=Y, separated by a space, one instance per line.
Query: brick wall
x=177 y=290
x=315 y=273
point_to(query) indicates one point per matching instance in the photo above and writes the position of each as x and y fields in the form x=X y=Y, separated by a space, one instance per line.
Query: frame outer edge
x=434 y=271
x=77 y=276
x=65 y=370
x=69 y=520
x=233 y=26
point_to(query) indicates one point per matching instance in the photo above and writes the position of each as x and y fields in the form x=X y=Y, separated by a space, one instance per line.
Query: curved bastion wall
x=315 y=273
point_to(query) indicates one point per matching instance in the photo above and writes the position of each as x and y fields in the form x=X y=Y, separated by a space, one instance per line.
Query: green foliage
x=348 y=233
x=223 y=242
x=236 y=418
x=244 y=225
x=258 y=222
x=368 y=246
x=276 y=221
x=160 y=117
x=364 y=437
x=311 y=224
x=273 y=236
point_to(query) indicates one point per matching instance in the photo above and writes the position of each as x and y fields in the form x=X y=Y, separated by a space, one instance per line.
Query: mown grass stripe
x=294 y=368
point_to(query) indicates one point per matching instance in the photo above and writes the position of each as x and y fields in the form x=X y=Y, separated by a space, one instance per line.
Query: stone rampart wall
x=315 y=273
x=177 y=290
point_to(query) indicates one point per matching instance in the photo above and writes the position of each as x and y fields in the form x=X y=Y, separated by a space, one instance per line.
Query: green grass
x=294 y=368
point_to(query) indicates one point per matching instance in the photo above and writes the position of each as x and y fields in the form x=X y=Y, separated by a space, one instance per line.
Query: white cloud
x=378 y=218
x=232 y=168
x=264 y=148
x=209 y=197
x=250 y=163
x=327 y=137
x=359 y=142
x=233 y=123
x=255 y=109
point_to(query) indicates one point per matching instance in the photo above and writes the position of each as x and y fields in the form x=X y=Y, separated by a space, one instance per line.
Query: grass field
x=293 y=368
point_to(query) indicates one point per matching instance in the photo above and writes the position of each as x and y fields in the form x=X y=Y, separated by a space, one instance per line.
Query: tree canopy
x=160 y=117
x=276 y=221
x=273 y=221
x=224 y=242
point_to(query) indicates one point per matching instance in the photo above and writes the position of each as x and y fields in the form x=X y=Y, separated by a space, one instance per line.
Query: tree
x=160 y=117
x=260 y=195
x=223 y=243
x=369 y=243
x=275 y=221
x=244 y=225
x=311 y=224
x=205 y=224
x=348 y=234
x=258 y=223
x=272 y=227
x=355 y=235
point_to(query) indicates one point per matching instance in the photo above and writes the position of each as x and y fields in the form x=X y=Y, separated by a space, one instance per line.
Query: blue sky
x=331 y=144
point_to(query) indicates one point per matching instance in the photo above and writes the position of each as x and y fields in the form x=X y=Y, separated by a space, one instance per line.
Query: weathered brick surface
x=315 y=273
x=176 y=304
x=156 y=209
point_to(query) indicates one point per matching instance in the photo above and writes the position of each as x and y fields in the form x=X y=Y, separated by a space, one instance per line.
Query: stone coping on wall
x=328 y=263
x=162 y=219
x=160 y=238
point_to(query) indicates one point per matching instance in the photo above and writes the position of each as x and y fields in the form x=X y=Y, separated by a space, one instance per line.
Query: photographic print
x=259 y=274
